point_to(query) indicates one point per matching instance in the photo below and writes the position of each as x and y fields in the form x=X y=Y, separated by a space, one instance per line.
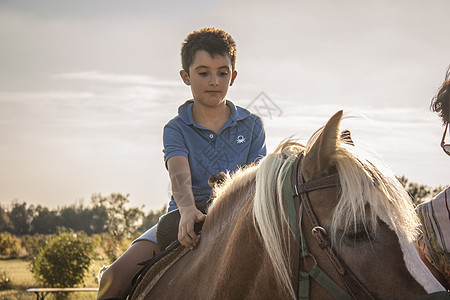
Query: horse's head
x=368 y=217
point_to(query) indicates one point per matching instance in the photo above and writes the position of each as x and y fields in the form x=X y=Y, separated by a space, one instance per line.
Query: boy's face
x=209 y=78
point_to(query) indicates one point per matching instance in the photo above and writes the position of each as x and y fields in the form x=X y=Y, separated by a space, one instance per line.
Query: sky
x=87 y=86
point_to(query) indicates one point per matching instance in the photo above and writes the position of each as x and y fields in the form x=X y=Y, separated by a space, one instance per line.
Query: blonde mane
x=230 y=196
x=269 y=215
x=364 y=183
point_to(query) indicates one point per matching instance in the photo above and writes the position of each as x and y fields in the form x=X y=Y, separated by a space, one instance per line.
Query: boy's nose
x=213 y=80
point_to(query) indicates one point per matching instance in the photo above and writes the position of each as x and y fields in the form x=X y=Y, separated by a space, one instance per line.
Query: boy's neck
x=212 y=118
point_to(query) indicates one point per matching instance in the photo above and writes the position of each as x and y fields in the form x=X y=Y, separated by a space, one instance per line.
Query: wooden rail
x=42 y=292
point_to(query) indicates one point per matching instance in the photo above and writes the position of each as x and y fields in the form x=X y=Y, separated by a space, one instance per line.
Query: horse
x=342 y=226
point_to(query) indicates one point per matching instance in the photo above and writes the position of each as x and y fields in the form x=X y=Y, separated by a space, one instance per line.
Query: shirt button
x=211 y=135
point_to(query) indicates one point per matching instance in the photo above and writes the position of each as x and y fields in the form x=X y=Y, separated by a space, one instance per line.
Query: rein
x=295 y=203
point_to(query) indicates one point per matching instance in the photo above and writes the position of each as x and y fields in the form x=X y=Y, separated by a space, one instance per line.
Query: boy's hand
x=189 y=216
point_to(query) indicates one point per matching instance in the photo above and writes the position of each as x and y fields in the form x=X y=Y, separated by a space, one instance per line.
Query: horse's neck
x=232 y=244
x=229 y=207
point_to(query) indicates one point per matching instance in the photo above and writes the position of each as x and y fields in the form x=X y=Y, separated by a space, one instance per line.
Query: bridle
x=299 y=200
x=296 y=198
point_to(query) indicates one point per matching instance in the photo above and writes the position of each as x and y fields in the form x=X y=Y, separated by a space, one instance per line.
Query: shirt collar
x=237 y=113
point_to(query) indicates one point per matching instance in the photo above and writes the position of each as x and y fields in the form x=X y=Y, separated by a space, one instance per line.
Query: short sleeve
x=174 y=143
x=258 y=146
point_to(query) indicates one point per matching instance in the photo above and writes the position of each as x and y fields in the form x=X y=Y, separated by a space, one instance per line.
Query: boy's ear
x=233 y=77
x=185 y=76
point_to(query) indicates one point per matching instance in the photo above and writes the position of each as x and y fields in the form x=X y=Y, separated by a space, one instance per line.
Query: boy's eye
x=223 y=73
x=202 y=73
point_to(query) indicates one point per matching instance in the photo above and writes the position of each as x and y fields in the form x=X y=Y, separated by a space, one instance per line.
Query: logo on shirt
x=240 y=139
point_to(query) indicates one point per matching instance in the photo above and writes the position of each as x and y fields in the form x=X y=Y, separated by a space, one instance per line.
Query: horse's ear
x=318 y=159
x=346 y=137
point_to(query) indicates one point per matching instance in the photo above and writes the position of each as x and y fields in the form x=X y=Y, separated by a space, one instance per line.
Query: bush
x=34 y=244
x=113 y=247
x=5 y=282
x=64 y=261
x=9 y=245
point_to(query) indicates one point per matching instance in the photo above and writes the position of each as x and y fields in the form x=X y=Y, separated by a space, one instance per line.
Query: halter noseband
x=300 y=189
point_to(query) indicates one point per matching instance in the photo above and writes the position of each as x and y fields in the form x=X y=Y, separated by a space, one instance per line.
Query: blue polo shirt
x=241 y=140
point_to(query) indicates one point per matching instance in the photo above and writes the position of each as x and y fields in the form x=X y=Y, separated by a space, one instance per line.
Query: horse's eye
x=359 y=233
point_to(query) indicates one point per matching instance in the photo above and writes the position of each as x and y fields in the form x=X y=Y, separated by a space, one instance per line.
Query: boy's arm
x=180 y=176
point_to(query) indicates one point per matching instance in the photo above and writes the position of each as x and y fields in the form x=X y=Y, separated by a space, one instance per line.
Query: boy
x=210 y=135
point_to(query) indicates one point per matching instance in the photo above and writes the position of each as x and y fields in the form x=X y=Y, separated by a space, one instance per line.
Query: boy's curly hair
x=441 y=101
x=214 y=41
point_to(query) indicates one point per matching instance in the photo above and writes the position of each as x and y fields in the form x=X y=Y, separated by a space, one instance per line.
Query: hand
x=189 y=216
x=216 y=179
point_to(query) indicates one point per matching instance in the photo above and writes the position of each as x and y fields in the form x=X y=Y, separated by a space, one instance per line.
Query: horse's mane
x=364 y=183
x=230 y=195
x=268 y=212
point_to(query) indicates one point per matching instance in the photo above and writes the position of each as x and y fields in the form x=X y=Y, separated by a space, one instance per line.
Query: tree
x=21 y=218
x=45 y=221
x=69 y=217
x=121 y=222
x=5 y=222
x=419 y=192
x=96 y=218
x=152 y=218
x=64 y=261
x=133 y=219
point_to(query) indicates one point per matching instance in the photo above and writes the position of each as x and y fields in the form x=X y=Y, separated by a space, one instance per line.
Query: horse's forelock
x=366 y=182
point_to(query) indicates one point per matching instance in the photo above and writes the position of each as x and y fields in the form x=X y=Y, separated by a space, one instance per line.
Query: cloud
x=129 y=79
x=86 y=87
x=85 y=9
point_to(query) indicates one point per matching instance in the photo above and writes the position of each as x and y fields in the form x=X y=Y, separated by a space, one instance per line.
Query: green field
x=21 y=279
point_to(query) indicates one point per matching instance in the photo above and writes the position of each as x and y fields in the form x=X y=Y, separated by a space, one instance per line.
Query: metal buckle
x=319 y=228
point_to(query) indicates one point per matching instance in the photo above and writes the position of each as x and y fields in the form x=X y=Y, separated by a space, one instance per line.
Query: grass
x=21 y=278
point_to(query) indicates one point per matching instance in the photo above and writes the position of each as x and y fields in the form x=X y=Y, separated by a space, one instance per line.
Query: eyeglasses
x=445 y=147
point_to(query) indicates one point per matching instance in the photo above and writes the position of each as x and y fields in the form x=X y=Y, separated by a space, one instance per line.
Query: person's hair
x=214 y=41
x=441 y=101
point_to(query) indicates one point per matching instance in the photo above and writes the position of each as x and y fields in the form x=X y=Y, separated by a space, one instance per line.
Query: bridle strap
x=301 y=280
x=300 y=190
x=317 y=274
x=321 y=183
